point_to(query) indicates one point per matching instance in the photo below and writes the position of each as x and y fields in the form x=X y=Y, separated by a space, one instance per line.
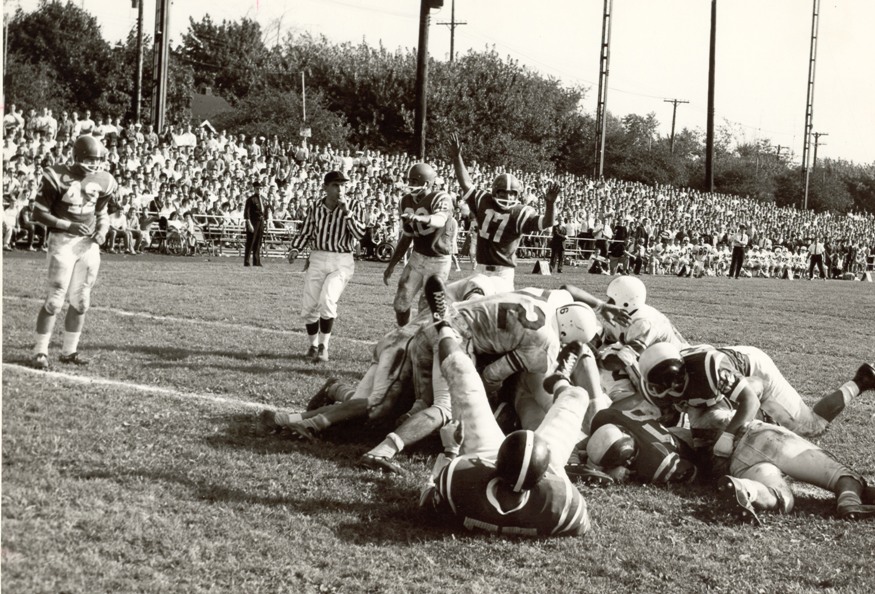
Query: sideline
x=198 y=321
x=90 y=380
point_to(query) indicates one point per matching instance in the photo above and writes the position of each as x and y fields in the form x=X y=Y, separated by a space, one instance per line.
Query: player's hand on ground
x=81 y=229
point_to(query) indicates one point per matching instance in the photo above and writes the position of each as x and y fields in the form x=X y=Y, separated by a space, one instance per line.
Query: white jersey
x=648 y=326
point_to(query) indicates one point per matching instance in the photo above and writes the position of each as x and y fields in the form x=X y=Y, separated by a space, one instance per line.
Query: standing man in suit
x=739 y=245
x=254 y=215
x=334 y=226
x=557 y=246
x=815 y=252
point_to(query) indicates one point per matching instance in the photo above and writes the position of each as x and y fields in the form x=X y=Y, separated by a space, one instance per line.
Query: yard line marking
x=80 y=379
x=218 y=324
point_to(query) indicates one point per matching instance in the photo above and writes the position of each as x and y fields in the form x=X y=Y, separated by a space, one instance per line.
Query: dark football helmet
x=88 y=153
x=420 y=177
x=510 y=190
x=523 y=459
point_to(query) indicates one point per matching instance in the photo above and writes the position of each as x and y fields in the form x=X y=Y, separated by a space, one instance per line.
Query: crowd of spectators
x=197 y=177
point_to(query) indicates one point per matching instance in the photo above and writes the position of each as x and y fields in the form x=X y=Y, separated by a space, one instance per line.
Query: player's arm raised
x=462 y=175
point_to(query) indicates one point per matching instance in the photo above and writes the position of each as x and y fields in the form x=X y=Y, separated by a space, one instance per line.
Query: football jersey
x=648 y=326
x=517 y=324
x=427 y=240
x=467 y=488
x=500 y=230
x=662 y=457
x=73 y=195
x=714 y=374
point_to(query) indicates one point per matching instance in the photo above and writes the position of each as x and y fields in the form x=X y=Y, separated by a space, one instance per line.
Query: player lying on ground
x=511 y=484
x=522 y=332
x=748 y=379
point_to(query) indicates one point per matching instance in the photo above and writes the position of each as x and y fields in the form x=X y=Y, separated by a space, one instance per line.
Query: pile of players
x=532 y=389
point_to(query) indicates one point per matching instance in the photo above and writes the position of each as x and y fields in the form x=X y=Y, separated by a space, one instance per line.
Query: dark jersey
x=427 y=240
x=73 y=195
x=714 y=374
x=467 y=489
x=499 y=229
x=662 y=457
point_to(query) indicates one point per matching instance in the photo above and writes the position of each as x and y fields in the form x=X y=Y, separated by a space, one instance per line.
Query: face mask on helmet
x=666 y=379
x=506 y=190
x=420 y=176
x=576 y=321
x=88 y=153
x=610 y=446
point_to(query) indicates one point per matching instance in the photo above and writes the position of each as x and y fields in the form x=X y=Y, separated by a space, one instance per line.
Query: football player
x=757 y=458
x=627 y=444
x=501 y=218
x=72 y=203
x=425 y=224
x=519 y=332
x=748 y=380
x=626 y=335
x=512 y=484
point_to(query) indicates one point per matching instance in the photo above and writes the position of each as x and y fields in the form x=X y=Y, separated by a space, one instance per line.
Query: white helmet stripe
x=527 y=458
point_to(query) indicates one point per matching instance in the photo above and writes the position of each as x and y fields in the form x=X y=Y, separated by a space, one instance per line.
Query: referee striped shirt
x=332 y=230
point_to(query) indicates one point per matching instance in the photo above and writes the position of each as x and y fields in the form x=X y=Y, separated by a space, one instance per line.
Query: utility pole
x=602 y=108
x=452 y=25
x=817 y=143
x=674 y=112
x=778 y=153
x=709 y=138
x=162 y=57
x=422 y=76
x=809 y=101
x=138 y=76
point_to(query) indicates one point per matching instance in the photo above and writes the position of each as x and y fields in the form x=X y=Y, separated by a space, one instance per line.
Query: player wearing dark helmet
x=72 y=203
x=502 y=219
x=514 y=484
x=426 y=223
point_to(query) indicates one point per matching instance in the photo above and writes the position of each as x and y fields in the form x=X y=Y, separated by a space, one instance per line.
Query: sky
x=658 y=51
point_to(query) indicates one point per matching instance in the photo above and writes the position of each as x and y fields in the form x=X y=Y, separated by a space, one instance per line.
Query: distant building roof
x=206 y=105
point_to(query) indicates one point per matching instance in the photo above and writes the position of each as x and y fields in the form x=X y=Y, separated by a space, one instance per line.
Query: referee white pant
x=324 y=282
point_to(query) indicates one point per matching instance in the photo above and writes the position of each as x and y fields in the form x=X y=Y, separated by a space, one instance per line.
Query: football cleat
x=865 y=377
x=372 y=462
x=73 y=359
x=40 y=361
x=436 y=296
x=856 y=512
x=312 y=352
x=734 y=495
x=565 y=363
x=321 y=354
x=588 y=475
x=322 y=397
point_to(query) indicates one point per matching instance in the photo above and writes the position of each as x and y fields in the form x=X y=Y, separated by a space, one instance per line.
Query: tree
x=64 y=45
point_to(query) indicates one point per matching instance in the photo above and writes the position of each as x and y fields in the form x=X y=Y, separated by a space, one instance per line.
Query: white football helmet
x=628 y=292
x=609 y=446
x=663 y=373
x=576 y=321
x=511 y=189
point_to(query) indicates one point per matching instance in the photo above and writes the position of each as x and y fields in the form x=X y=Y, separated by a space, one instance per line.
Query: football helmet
x=522 y=460
x=420 y=176
x=628 y=292
x=609 y=446
x=576 y=321
x=662 y=371
x=511 y=189
x=88 y=153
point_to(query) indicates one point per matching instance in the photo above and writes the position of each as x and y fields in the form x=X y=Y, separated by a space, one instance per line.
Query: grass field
x=142 y=473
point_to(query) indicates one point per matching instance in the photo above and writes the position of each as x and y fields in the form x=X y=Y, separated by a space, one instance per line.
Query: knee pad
x=81 y=301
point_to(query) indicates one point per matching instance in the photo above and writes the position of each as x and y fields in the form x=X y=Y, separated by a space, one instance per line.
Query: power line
x=452 y=25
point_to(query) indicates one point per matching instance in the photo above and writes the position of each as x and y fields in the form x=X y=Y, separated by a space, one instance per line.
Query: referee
x=333 y=227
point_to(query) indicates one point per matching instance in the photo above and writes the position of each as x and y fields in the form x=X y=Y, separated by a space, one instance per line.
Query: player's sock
x=388 y=447
x=831 y=405
x=41 y=343
x=71 y=343
x=313 y=333
x=325 y=326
